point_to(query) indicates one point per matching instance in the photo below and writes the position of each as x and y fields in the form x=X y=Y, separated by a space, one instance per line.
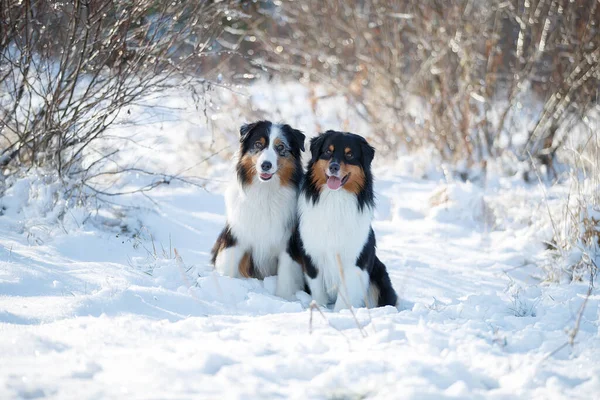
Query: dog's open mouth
x=265 y=177
x=334 y=183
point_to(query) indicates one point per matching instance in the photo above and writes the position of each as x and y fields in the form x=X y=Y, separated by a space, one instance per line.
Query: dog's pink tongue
x=334 y=183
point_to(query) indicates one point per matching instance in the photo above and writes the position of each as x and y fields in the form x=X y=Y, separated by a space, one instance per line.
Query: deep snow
x=105 y=305
x=86 y=312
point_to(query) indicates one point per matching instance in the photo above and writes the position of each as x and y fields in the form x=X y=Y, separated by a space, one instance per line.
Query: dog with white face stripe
x=261 y=207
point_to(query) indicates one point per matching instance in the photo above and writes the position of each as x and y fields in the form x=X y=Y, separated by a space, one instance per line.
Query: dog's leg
x=317 y=289
x=386 y=295
x=228 y=260
x=353 y=287
x=289 y=277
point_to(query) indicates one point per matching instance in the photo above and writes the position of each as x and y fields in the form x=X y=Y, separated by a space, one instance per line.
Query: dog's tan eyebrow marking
x=331 y=147
x=347 y=150
x=262 y=140
x=278 y=141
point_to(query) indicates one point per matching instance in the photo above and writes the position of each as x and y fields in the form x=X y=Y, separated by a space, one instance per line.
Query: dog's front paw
x=340 y=305
x=286 y=293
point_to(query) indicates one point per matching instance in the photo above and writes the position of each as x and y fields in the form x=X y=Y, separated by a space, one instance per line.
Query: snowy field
x=87 y=311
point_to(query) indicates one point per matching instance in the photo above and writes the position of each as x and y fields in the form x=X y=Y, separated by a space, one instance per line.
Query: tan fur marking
x=285 y=170
x=347 y=150
x=372 y=296
x=263 y=141
x=356 y=181
x=245 y=267
x=249 y=163
x=319 y=178
x=331 y=148
x=218 y=247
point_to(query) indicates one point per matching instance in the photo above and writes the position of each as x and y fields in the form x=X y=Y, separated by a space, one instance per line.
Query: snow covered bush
x=41 y=205
x=473 y=80
x=69 y=70
x=575 y=247
x=461 y=202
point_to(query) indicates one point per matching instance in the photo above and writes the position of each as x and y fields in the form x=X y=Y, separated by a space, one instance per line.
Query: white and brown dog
x=261 y=207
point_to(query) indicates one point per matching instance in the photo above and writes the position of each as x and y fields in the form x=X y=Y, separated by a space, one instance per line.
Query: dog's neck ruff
x=261 y=216
x=334 y=223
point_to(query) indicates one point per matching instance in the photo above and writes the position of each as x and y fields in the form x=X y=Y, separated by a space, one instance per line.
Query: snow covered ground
x=89 y=313
x=126 y=306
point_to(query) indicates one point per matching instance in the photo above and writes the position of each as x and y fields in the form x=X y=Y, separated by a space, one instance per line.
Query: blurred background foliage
x=475 y=80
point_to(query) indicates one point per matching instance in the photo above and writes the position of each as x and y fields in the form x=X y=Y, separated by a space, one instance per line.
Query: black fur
x=225 y=240
x=367 y=260
x=378 y=275
x=380 y=278
x=297 y=253
x=296 y=139
x=248 y=134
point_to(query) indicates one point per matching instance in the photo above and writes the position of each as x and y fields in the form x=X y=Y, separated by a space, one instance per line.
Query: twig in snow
x=575 y=329
x=314 y=306
x=573 y=332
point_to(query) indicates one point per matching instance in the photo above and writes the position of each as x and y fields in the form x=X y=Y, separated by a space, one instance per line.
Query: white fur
x=270 y=154
x=373 y=296
x=289 y=277
x=331 y=227
x=228 y=260
x=261 y=216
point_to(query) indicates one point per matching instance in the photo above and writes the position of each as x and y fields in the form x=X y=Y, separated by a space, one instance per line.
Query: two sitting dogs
x=313 y=230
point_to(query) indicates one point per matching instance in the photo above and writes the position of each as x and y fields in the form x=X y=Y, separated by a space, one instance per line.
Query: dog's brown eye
x=328 y=152
x=280 y=149
x=349 y=155
x=258 y=145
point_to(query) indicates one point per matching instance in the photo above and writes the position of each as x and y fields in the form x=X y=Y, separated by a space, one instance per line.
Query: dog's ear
x=316 y=144
x=246 y=130
x=296 y=136
x=367 y=151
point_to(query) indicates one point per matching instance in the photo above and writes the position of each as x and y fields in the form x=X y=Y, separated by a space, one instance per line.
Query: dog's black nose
x=266 y=165
x=334 y=168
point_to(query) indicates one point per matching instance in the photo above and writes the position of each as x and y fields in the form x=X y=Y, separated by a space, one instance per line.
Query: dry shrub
x=69 y=69
x=475 y=80
x=575 y=247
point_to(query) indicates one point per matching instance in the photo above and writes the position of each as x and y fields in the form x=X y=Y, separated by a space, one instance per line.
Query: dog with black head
x=334 y=241
x=261 y=207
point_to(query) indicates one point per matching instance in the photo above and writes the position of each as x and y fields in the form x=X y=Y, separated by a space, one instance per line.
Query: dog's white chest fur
x=261 y=217
x=333 y=226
